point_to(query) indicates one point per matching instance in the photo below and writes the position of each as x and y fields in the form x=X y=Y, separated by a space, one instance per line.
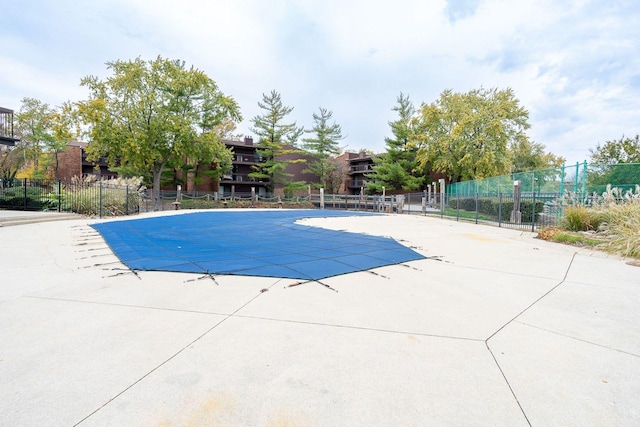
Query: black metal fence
x=105 y=198
x=526 y=211
x=100 y=198
x=529 y=211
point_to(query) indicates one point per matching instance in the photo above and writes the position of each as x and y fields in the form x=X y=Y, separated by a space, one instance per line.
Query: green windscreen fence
x=625 y=176
x=581 y=178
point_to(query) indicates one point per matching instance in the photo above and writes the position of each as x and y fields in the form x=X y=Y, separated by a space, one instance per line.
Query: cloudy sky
x=574 y=64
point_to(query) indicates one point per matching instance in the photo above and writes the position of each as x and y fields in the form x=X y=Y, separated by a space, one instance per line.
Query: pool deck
x=495 y=327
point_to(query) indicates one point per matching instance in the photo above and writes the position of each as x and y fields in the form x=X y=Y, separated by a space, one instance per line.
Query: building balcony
x=6 y=127
x=238 y=178
x=357 y=184
x=246 y=159
x=360 y=169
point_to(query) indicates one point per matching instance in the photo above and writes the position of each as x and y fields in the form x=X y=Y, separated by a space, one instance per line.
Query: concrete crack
x=513 y=320
x=171 y=357
x=537 y=300
x=578 y=339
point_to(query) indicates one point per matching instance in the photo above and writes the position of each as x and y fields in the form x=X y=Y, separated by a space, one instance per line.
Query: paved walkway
x=10 y=218
x=495 y=328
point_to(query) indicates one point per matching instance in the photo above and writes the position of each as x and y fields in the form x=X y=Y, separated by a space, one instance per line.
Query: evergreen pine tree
x=323 y=145
x=397 y=168
x=275 y=140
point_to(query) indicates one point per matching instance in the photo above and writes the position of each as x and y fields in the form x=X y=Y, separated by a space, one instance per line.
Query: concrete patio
x=495 y=327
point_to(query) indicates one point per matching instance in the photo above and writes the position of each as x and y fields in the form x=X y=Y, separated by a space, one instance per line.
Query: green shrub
x=468 y=204
x=34 y=198
x=16 y=202
x=526 y=207
x=218 y=204
x=491 y=206
x=581 y=218
x=488 y=206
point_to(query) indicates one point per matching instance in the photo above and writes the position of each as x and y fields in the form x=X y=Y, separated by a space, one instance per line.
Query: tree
x=194 y=170
x=44 y=130
x=227 y=128
x=610 y=162
x=623 y=150
x=527 y=155
x=323 y=145
x=467 y=135
x=11 y=160
x=149 y=113
x=397 y=168
x=33 y=127
x=276 y=141
x=336 y=172
x=63 y=131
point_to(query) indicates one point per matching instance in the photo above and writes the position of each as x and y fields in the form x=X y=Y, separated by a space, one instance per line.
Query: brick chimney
x=248 y=140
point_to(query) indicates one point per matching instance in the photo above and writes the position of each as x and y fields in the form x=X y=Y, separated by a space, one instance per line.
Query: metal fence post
x=24 y=191
x=59 y=196
x=100 y=197
x=533 y=213
x=476 y=207
x=500 y=209
x=126 y=200
x=584 y=181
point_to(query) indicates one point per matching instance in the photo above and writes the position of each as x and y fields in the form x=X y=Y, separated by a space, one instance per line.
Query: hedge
x=491 y=206
x=36 y=198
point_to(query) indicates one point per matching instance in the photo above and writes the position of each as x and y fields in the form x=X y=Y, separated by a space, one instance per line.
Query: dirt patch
x=480 y=238
x=548 y=233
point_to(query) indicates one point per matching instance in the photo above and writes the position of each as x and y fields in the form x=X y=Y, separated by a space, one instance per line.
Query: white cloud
x=571 y=63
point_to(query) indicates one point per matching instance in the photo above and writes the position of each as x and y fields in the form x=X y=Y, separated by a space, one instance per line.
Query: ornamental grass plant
x=613 y=217
x=621 y=222
x=112 y=197
x=581 y=218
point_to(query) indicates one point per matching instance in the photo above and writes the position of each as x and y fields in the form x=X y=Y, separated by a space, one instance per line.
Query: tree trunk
x=155 y=192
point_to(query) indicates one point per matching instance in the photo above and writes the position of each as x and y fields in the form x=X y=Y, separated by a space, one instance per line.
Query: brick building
x=73 y=163
x=237 y=180
x=358 y=166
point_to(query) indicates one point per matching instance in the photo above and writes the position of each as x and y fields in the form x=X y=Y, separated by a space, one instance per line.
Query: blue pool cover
x=251 y=243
